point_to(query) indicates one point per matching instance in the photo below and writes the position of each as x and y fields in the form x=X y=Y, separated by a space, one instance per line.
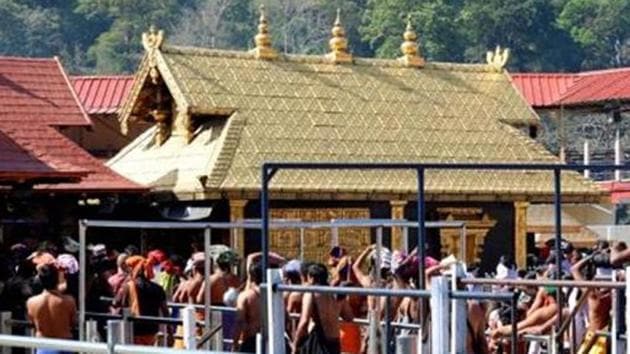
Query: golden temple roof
x=297 y=108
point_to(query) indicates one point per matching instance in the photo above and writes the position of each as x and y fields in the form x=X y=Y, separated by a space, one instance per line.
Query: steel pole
x=264 y=239
x=82 y=276
x=557 y=174
x=207 y=234
x=421 y=254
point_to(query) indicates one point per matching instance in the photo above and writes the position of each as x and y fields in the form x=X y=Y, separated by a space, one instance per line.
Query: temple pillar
x=520 y=233
x=237 y=236
x=398 y=213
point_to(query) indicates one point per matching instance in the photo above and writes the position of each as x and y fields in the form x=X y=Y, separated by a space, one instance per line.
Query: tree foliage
x=103 y=36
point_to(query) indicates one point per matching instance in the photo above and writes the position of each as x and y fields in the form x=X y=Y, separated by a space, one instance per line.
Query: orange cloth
x=350 y=337
x=139 y=266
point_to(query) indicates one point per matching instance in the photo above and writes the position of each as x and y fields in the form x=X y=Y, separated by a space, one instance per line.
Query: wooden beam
x=398 y=213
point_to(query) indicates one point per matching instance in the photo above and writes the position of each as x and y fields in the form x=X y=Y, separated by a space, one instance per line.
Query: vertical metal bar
x=379 y=254
x=275 y=313
x=514 y=335
x=264 y=240
x=439 y=315
x=463 y=244
x=335 y=236
x=113 y=335
x=459 y=313
x=614 y=325
x=302 y=244
x=421 y=254
x=557 y=174
x=207 y=239
x=627 y=310
x=388 y=326
x=82 y=276
x=405 y=235
x=189 y=324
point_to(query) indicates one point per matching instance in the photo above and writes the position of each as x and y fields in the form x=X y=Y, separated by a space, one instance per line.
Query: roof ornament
x=409 y=47
x=338 y=43
x=153 y=39
x=498 y=58
x=263 y=49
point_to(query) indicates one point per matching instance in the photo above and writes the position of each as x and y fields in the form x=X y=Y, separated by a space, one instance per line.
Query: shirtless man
x=323 y=310
x=188 y=291
x=53 y=313
x=539 y=319
x=599 y=305
x=248 y=312
x=222 y=279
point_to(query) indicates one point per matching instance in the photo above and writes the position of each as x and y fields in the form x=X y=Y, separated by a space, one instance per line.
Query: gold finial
x=498 y=58
x=152 y=39
x=338 y=43
x=409 y=47
x=263 y=49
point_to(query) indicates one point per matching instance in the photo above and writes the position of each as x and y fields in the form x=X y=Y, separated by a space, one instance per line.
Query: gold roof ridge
x=320 y=59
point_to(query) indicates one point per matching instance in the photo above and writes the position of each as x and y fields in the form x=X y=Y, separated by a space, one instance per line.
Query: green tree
x=601 y=28
x=118 y=49
x=527 y=27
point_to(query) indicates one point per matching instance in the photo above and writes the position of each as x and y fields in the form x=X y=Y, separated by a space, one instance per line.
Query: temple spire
x=263 y=49
x=338 y=43
x=409 y=47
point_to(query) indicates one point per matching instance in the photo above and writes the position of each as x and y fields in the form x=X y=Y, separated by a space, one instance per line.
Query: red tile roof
x=36 y=97
x=102 y=94
x=20 y=165
x=546 y=90
x=542 y=90
x=37 y=90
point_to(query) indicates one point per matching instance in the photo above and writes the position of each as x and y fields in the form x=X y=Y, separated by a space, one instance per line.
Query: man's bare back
x=248 y=310
x=328 y=311
x=53 y=314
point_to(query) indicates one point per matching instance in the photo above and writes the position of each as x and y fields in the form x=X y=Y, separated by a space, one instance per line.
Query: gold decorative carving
x=409 y=48
x=520 y=233
x=153 y=39
x=237 y=236
x=478 y=223
x=162 y=119
x=317 y=242
x=263 y=49
x=338 y=43
x=398 y=213
x=498 y=58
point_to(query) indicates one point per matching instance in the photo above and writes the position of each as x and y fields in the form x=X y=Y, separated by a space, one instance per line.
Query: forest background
x=103 y=36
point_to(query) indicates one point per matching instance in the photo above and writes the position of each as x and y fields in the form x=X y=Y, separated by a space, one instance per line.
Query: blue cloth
x=50 y=351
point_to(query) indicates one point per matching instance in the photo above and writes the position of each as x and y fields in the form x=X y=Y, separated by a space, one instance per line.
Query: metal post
x=91 y=331
x=513 y=318
x=405 y=345
x=275 y=311
x=264 y=240
x=618 y=152
x=114 y=334
x=464 y=243
x=558 y=219
x=189 y=323
x=82 y=276
x=405 y=236
x=587 y=158
x=422 y=254
x=335 y=236
x=459 y=314
x=301 y=244
x=439 y=316
x=388 y=327
x=627 y=309
x=126 y=327
x=207 y=234
x=5 y=328
x=614 y=323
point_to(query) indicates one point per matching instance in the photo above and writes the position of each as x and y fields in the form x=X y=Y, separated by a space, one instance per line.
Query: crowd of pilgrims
x=39 y=284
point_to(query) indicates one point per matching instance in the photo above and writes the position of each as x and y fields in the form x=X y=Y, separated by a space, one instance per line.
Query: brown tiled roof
x=35 y=99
